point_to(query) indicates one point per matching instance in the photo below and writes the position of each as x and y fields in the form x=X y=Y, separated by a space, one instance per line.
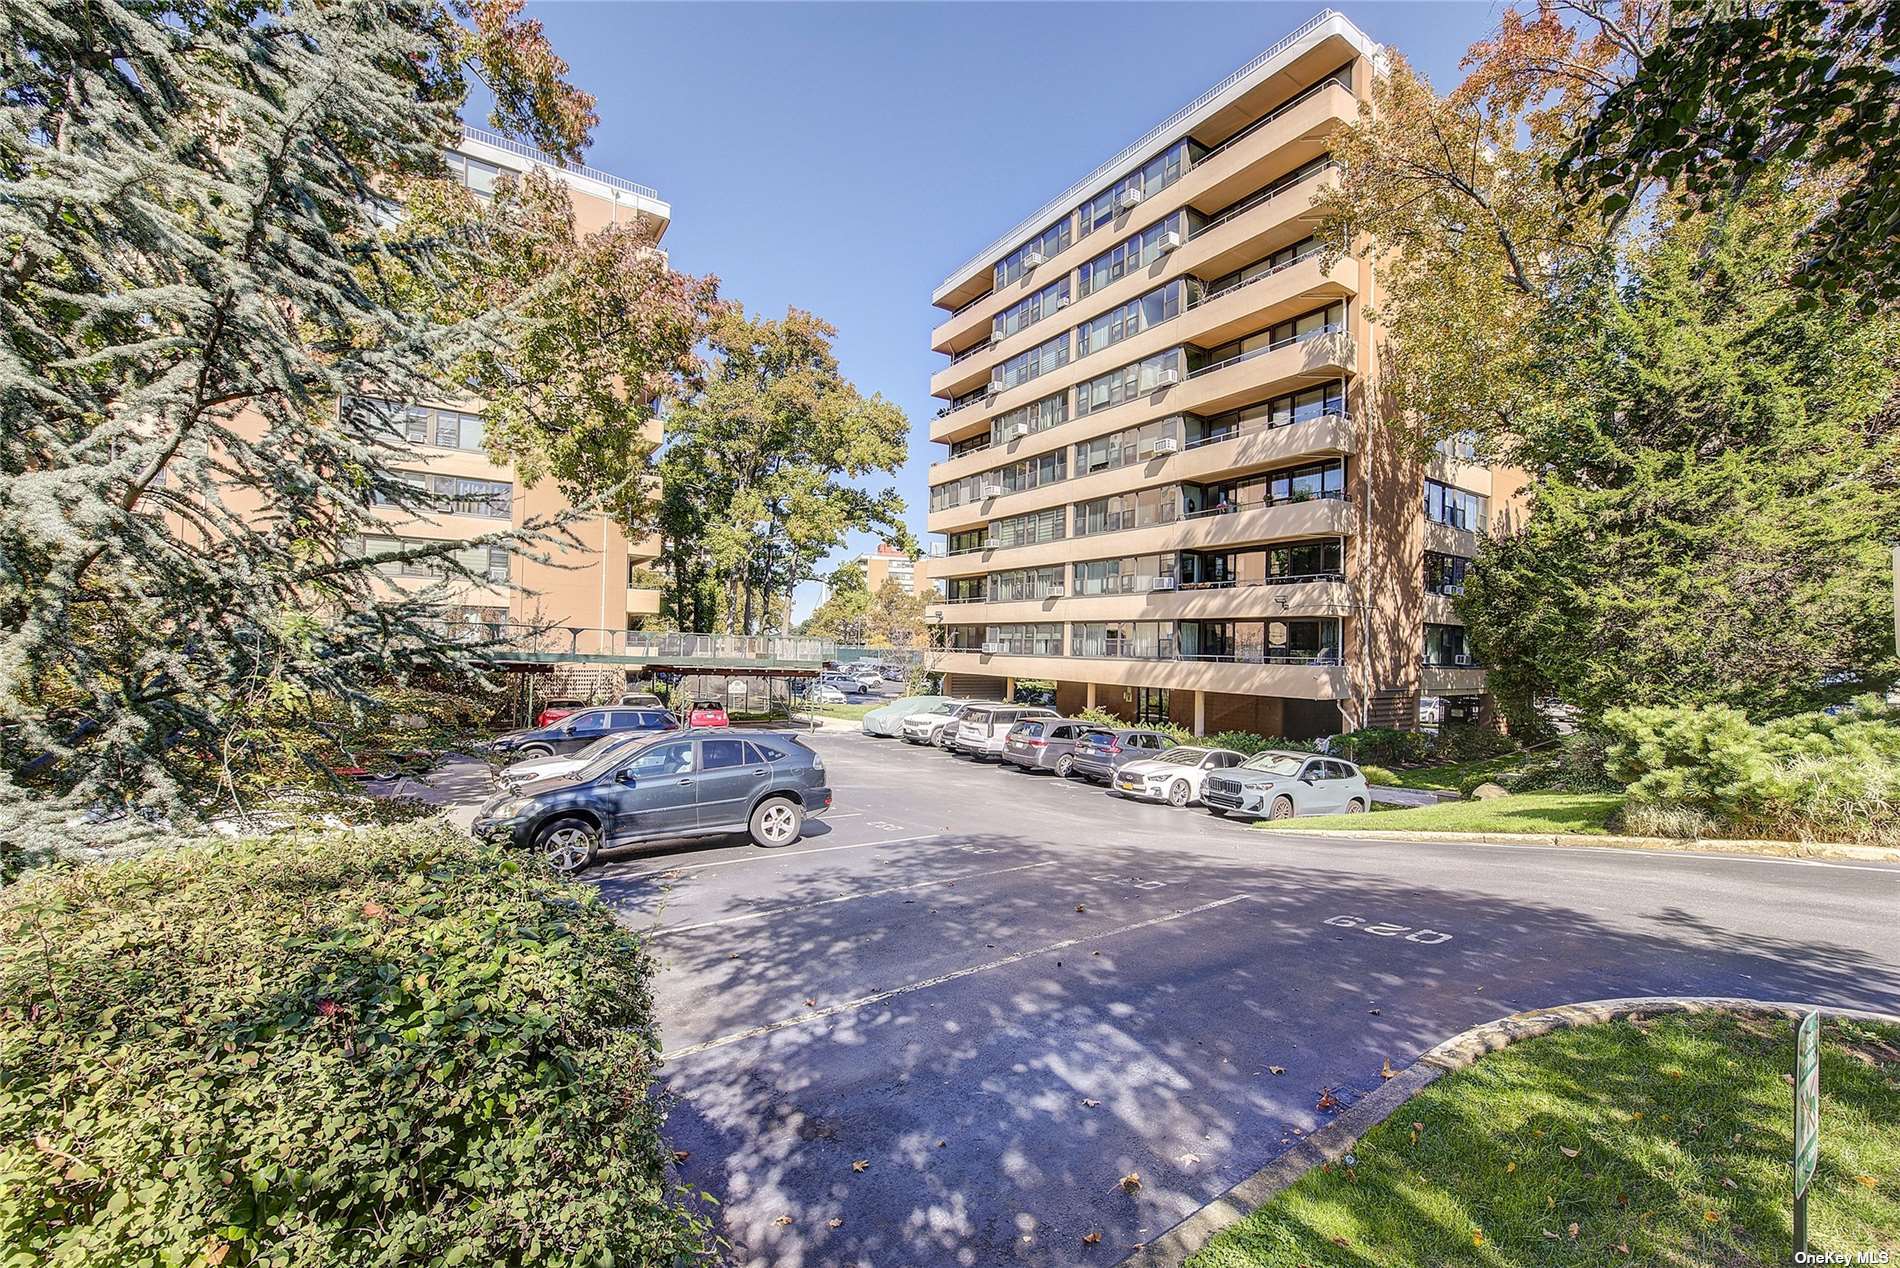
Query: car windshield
x=1274 y=763
x=607 y=753
x=1182 y=756
x=602 y=745
x=948 y=706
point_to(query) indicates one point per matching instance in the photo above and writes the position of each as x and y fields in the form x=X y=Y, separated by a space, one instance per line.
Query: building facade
x=888 y=563
x=603 y=587
x=1165 y=484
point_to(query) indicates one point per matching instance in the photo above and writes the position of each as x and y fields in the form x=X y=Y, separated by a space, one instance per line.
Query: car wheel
x=568 y=844
x=1216 y=811
x=775 y=821
x=1282 y=808
x=1179 y=793
x=527 y=751
x=1065 y=766
x=1355 y=807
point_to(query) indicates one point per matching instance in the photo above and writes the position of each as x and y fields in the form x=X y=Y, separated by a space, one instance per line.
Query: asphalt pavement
x=945 y=1025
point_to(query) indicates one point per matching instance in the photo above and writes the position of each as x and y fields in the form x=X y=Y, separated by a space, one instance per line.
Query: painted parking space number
x=1133 y=882
x=1380 y=929
x=880 y=825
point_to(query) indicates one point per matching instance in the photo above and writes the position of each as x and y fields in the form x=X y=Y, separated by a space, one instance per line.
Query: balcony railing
x=1234 y=508
x=1240 y=583
x=1208 y=297
x=1330 y=328
x=1272 y=191
x=1238 y=430
x=971 y=351
x=1291 y=103
x=547 y=160
x=568 y=640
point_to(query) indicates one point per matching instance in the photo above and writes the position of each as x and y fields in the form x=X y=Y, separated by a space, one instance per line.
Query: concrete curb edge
x=1608 y=841
x=1336 y=1138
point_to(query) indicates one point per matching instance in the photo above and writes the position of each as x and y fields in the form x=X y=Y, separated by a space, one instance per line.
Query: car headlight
x=509 y=808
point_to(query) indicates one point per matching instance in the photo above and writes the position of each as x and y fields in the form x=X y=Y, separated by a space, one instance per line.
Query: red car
x=555 y=712
x=707 y=713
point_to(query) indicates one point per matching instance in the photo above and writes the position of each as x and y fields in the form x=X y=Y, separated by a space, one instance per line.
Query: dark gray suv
x=700 y=783
x=1103 y=751
x=1045 y=744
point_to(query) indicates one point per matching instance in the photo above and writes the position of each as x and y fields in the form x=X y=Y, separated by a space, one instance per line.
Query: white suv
x=984 y=728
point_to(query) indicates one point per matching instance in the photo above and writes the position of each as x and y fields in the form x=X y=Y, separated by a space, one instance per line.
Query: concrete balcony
x=1301 y=134
x=1321 y=517
x=1257 y=449
x=1450 y=680
x=1228 y=603
x=1299 y=682
x=642 y=602
x=1437 y=610
x=1446 y=540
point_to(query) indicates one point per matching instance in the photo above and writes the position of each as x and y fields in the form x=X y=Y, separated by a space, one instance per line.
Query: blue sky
x=844 y=158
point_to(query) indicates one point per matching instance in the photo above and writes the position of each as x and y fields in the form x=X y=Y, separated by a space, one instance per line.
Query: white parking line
x=1671 y=856
x=843 y=898
x=819 y=1014
x=772 y=857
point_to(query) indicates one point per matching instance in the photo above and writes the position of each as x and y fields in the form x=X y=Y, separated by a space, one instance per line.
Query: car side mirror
x=625 y=776
x=1308 y=779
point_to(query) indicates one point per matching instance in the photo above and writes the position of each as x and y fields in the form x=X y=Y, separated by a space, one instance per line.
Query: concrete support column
x=1009 y=689
x=1091 y=697
x=1200 y=713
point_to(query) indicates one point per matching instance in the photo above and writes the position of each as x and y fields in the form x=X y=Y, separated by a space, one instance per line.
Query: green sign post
x=1807 y=1119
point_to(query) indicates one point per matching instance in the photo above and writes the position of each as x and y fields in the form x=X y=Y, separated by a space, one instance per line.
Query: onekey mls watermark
x=1843 y=1257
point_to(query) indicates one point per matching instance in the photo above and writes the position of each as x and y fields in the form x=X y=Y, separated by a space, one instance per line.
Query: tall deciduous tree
x=194 y=209
x=764 y=466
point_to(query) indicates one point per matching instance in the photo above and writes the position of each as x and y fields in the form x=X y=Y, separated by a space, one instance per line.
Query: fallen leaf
x=1574 y=1230
x=1418 y=1127
x=681 y=1155
x=783 y=1220
x=1131 y=1182
x=1510 y=1167
x=1547 y=1233
x=1567 y=1151
x=1637 y=1115
x=940 y=1144
x=1550 y=1203
x=1080 y=907
x=1710 y=1216
x=1866 y=1182
x=834 y=1222
x=1477 y=1239
x=1089 y=1102
x=1090 y=1239
x=373 y=910
x=1622 y=1248
x=1385 y=1068
x=810 y=1002
x=1276 y=1069
x=1342 y=1241
x=861 y=1164
x=1327 y=1100
x=1727 y=1183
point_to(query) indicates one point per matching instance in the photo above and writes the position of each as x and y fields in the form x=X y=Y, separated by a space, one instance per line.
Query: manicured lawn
x=851 y=711
x=1664 y=1142
x=1451 y=778
x=1540 y=812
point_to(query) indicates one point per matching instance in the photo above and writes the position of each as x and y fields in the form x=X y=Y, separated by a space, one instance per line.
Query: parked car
x=888 y=722
x=575 y=731
x=1044 y=744
x=824 y=693
x=850 y=684
x=555 y=710
x=643 y=700
x=893 y=673
x=533 y=768
x=984 y=728
x=696 y=784
x=1279 y=785
x=1104 y=750
x=1176 y=775
x=929 y=726
x=707 y=713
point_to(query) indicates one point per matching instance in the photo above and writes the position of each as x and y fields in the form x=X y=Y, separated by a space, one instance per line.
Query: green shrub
x=1384 y=746
x=1809 y=776
x=1099 y=716
x=1462 y=742
x=1378 y=776
x=1249 y=743
x=390 y=1046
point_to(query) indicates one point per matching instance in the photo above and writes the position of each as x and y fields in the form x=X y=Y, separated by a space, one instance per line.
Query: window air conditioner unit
x=994 y=387
x=1062 y=301
x=1129 y=198
x=1162 y=583
x=1168 y=377
x=1053 y=592
x=1017 y=431
x=992 y=542
x=990 y=649
x=1033 y=260
x=1461 y=659
x=1457 y=589
x=992 y=490
x=1167 y=444
x=1171 y=240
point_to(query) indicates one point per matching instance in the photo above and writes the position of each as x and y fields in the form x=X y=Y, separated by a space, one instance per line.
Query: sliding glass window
x=1445 y=504
x=1026 y=313
x=1123 y=640
x=1133 y=574
x=1130 y=319
x=1027 y=530
x=1147 y=375
x=1050 y=243
x=1136 y=444
x=1039 y=639
x=1050 y=411
x=1150 y=179
x=1025 y=583
x=1132 y=254
x=1140 y=509
x=1034 y=363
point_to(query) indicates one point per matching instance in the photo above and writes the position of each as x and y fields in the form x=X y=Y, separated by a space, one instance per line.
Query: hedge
x=389 y=1047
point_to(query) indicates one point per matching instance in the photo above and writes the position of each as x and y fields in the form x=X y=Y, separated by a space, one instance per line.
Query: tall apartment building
x=591 y=589
x=1166 y=485
x=888 y=563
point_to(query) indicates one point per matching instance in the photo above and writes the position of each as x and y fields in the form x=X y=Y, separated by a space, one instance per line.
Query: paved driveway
x=1001 y=993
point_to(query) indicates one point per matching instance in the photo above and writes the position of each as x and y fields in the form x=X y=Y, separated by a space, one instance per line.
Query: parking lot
x=945 y=1025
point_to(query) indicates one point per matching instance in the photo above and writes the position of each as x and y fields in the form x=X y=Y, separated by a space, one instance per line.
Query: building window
x=1039 y=639
x=459 y=495
x=1050 y=243
x=1307 y=561
x=1027 y=530
x=483 y=561
x=1027 y=420
x=965 y=542
x=1133 y=254
x=1152 y=177
x=1119 y=449
x=1260 y=268
x=1446 y=645
x=1130 y=381
x=1458 y=508
x=1462 y=446
x=1151 y=706
x=1307 y=325
x=1038 y=361
x=1026 y=313
x=1130 y=319
x=963 y=589
x=1123 y=640
x=1136 y=574
x=1128 y=510
x=1445 y=574
x=477 y=175
x=1025 y=583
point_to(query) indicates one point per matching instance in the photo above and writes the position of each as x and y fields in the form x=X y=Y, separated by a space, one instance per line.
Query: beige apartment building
x=1166 y=486
x=590 y=589
x=888 y=563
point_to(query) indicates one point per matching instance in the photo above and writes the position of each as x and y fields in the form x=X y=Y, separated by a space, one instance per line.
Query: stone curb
x=1710 y=845
x=1333 y=1141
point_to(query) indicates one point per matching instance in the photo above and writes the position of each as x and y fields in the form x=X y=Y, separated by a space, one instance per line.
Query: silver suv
x=934 y=724
x=984 y=728
x=1045 y=744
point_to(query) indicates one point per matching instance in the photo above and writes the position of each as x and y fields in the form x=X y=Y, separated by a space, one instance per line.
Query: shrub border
x=1332 y=1141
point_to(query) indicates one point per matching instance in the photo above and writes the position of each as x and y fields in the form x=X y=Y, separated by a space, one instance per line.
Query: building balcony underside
x=1299 y=682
